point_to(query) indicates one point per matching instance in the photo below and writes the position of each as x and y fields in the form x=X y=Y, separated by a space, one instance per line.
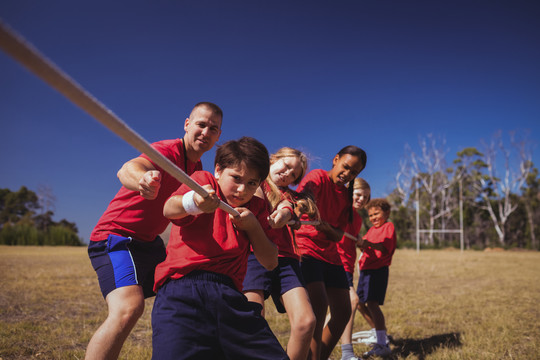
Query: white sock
x=381 y=337
x=347 y=351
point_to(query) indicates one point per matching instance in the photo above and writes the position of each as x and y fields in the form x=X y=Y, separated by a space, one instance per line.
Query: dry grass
x=440 y=305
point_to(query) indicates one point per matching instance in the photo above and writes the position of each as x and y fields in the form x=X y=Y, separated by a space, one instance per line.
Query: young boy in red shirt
x=200 y=311
x=378 y=247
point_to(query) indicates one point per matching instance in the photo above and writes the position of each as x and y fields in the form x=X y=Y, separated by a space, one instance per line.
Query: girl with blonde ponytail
x=285 y=283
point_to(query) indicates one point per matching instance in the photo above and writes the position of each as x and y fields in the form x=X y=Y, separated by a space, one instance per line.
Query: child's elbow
x=168 y=210
x=271 y=263
x=271 y=259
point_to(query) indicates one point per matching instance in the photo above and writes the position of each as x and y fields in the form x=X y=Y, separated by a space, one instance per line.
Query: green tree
x=19 y=224
x=15 y=205
x=531 y=203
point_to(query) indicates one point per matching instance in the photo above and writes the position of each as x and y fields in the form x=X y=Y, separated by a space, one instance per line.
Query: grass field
x=440 y=305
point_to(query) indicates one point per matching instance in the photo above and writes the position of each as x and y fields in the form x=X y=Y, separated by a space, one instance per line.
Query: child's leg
x=256 y=296
x=378 y=319
x=340 y=313
x=256 y=281
x=346 y=338
x=366 y=314
x=302 y=320
x=376 y=314
x=319 y=303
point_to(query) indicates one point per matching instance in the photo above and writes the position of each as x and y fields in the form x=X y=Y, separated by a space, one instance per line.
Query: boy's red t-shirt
x=375 y=259
x=347 y=247
x=333 y=203
x=208 y=242
x=131 y=215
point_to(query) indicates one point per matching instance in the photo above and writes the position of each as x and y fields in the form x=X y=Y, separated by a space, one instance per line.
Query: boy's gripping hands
x=191 y=203
x=264 y=250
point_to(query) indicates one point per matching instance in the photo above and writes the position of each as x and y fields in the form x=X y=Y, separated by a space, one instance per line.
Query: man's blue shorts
x=372 y=285
x=203 y=316
x=286 y=276
x=123 y=261
x=314 y=270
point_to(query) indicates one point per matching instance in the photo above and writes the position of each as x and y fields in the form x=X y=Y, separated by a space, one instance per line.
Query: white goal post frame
x=453 y=231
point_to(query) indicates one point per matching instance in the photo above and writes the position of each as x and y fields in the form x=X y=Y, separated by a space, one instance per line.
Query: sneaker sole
x=362 y=334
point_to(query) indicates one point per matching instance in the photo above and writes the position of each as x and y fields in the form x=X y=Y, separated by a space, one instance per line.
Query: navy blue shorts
x=372 y=285
x=286 y=276
x=350 y=277
x=203 y=316
x=123 y=261
x=314 y=270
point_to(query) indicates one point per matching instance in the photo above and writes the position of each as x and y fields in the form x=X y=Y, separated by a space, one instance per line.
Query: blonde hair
x=274 y=195
x=362 y=184
x=290 y=152
x=303 y=204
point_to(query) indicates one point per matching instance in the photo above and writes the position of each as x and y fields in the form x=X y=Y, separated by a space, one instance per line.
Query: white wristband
x=189 y=204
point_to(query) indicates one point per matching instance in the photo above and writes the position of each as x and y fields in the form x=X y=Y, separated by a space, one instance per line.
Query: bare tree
x=427 y=172
x=46 y=198
x=497 y=186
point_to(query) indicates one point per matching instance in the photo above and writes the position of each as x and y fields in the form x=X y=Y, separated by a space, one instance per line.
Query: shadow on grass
x=423 y=347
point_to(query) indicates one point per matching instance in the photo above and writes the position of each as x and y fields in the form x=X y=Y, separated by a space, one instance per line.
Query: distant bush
x=26 y=234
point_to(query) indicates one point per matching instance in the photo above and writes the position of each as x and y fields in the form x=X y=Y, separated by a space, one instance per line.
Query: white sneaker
x=362 y=334
x=372 y=339
x=379 y=350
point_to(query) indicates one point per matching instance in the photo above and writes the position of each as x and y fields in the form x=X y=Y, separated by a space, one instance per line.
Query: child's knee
x=373 y=306
x=308 y=323
x=304 y=323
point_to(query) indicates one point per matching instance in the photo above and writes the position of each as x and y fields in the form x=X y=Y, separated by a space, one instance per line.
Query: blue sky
x=316 y=75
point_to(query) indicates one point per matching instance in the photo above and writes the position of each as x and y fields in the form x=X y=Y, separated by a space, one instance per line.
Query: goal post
x=440 y=231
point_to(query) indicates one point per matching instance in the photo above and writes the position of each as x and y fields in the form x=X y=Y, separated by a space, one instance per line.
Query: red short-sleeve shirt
x=208 y=242
x=375 y=259
x=129 y=214
x=333 y=203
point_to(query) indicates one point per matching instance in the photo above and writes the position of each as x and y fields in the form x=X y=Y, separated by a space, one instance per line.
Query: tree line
x=26 y=219
x=492 y=193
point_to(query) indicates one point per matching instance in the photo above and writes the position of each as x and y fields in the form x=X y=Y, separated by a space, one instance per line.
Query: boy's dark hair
x=381 y=203
x=360 y=154
x=247 y=150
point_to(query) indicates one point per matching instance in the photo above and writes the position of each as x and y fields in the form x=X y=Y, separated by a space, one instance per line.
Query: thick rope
x=24 y=53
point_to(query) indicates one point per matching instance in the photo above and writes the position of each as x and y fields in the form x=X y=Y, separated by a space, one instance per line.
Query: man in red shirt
x=125 y=246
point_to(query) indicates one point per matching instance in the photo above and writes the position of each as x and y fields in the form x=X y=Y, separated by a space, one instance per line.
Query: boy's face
x=377 y=216
x=237 y=183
